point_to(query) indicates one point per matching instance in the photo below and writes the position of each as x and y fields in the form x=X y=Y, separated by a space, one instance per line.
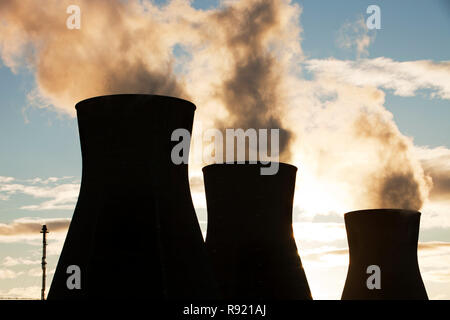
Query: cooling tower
x=249 y=237
x=134 y=232
x=386 y=239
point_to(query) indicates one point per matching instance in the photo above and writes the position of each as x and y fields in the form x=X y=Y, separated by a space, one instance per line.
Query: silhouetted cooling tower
x=385 y=238
x=250 y=238
x=134 y=232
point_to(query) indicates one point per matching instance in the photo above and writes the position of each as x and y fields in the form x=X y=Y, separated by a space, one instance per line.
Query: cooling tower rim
x=246 y=164
x=133 y=95
x=380 y=212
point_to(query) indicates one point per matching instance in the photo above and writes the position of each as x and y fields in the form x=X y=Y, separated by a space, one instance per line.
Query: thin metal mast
x=44 y=255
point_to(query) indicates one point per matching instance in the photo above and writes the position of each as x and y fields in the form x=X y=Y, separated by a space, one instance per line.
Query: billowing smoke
x=351 y=150
x=436 y=164
x=252 y=87
x=121 y=47
x=400 y=181
x=241 y=64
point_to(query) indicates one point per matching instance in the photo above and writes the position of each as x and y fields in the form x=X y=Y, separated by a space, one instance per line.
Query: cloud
x=37 y=272
x=401 y=183
x=6 y=179
x=9 y=274
x=62 y=196
x=251 y=38
x=242 y=51
x=241 y=63
x=438 y=276
x=351 y=150
x=196 y=184
x=32 y=292
x=434 y=261
x=356 y=36
x=130 y=41
x=404 y=78
x=325 y=250
x=11 y=262
x=434 y=245
x=50 y=180
x=32 y=226
x=436 y=164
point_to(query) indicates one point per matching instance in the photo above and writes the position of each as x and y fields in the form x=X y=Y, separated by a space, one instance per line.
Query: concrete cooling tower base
x=250 y=239
x=383 y=244
x=134 y=232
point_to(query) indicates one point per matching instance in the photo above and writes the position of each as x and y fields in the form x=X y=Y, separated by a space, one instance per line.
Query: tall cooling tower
x=383 y=255
x=134 y=232
x=250 y=238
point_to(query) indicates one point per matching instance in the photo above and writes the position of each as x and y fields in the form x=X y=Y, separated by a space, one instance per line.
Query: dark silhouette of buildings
x=250 y=238
x=134 y=232
x=388 y=239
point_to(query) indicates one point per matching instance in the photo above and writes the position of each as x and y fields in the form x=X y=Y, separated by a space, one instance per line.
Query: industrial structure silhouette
x=250 y=238
x=388 y=239
x=135 y=217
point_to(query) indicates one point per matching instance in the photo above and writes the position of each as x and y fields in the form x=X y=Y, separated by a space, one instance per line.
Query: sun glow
x=314 y=196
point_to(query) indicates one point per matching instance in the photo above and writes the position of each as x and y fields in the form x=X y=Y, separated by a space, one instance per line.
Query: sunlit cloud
x=27 y=230
x=319 y=232
x=436 y=163
x=6 y=179
x=9 y=274
x=11 y=262
x=32 y=292
x=404 y=78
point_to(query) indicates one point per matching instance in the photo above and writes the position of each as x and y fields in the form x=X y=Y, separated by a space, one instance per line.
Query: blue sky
x=39 y=142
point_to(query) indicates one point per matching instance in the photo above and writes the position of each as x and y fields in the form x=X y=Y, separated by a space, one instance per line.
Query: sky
x=379 y=97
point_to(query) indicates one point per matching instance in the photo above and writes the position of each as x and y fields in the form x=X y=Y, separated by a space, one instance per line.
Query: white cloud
x=434 y=261
x=37 y=272
x=6 y=179
x=326 y=256
x=404 y=78
x=10 y=261
x=49 y=180
x=9 y=274
x=33 y=292
x=62 y=196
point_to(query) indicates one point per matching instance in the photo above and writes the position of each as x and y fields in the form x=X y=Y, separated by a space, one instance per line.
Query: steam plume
x=120 y=47
x=240 y=64
x=252 y=89
x=400 y=182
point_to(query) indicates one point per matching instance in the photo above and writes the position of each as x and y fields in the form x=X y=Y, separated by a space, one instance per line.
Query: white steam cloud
x=241 y=64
